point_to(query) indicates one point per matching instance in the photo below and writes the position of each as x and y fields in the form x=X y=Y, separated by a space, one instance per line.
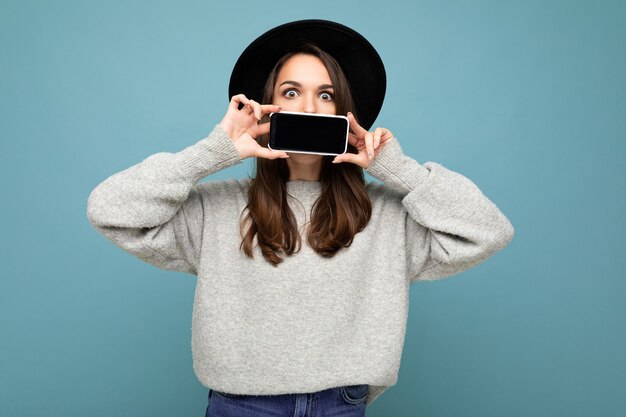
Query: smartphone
x=321 y=134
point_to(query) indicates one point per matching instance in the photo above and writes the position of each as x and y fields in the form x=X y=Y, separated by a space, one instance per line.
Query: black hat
x=357 y=57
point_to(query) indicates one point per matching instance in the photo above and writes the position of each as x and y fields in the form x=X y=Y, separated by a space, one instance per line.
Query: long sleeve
x=450 y=224
x=154 y=210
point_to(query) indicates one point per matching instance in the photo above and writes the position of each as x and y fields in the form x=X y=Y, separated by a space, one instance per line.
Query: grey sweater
x=311 y=323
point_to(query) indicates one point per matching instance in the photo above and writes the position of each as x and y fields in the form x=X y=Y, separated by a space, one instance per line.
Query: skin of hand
x=243 y=128
x=369 y=144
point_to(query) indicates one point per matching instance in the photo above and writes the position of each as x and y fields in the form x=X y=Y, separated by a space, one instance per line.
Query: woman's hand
x=369 y=144
x=243 y=128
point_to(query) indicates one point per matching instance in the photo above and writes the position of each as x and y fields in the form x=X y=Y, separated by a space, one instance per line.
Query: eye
x=286 y=93
x=327 y=94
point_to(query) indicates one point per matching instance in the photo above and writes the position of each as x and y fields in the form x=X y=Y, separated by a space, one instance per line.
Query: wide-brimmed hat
x=358 y=59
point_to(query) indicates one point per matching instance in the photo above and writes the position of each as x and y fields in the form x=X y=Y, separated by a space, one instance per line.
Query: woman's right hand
x=243 y=128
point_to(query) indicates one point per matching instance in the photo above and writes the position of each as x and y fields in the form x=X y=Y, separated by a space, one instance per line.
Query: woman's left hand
x=369 y=144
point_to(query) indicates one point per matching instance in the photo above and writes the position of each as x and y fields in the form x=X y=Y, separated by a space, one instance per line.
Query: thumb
x=269 y=153
x=346 y=157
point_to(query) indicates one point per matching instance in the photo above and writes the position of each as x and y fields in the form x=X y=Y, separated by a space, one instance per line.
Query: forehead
x=303 y=67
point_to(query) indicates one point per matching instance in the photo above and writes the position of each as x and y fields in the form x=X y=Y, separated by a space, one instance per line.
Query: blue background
x=526 y=98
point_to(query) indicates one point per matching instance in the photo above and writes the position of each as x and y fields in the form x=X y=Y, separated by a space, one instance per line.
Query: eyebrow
x=297 y=84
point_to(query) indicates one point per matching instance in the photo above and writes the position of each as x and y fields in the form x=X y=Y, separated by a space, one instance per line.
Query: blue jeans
x=347 y=401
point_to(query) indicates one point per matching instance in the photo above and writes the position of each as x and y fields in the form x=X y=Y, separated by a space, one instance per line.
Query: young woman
x=303 y=271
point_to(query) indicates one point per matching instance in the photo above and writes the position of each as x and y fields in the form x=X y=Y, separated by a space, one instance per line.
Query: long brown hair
x=343 y=208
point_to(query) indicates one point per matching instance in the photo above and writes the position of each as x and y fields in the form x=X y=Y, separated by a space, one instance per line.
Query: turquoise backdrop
x=525 y=98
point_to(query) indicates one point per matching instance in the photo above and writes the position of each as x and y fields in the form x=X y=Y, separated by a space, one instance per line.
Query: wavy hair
x=343 y=208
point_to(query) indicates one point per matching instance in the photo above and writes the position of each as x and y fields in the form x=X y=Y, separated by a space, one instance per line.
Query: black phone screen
x=312 y=133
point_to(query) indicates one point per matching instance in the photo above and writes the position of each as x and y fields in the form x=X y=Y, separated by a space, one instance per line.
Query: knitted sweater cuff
x=213 y=153
x=396 y=169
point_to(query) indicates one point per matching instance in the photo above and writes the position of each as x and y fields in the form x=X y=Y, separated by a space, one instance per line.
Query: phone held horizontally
x=321 y=134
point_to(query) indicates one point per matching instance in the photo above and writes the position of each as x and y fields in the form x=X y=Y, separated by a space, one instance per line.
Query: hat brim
x=358 y=59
